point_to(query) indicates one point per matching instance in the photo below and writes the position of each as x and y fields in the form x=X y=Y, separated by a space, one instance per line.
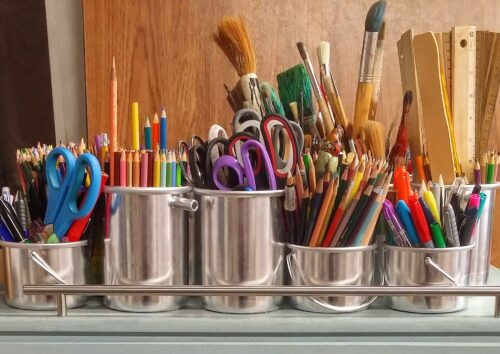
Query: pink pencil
x=144 y=169
x=123 y=169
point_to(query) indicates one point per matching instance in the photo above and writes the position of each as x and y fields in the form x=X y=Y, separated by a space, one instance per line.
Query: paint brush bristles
x=373 y=23
x=291 y=83
x=234 y=40
x=374 y=132
x=329 y=84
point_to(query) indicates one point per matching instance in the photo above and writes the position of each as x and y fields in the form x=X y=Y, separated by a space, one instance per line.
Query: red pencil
x=156 y=132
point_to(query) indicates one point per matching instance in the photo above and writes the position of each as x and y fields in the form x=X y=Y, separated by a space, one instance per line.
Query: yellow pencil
x=156 y=170
x=135 y=126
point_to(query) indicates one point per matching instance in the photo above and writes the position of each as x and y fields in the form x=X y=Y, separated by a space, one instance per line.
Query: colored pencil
x=113 y=121
x=174 y=171
x=163 y=130
x=315 y=238
x=289 y=206
x=123 y=169
x=144 y=169
x=156 y=131
x=148 y=138
x=136 y=167
x=135 y=126
x=314 y=209
x=163 y=170
x=169 y=169
x=156 y=169
x=130 y=160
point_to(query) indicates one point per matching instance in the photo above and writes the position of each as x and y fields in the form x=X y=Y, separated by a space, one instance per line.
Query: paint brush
x=374 y=137
x=234 y=40
x=400 y=147
x=323 y=108
x=377 y=71
x=373 y=23
x=330 y=85
x=315 y=241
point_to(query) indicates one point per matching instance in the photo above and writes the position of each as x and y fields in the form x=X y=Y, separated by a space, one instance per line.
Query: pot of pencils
x=332 y=243
x=147 y=244
x=239 y=238
x=332 y=266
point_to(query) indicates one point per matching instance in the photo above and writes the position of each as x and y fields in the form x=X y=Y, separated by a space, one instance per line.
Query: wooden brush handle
x=325 y=113
x=362 y=108
x=335 y=102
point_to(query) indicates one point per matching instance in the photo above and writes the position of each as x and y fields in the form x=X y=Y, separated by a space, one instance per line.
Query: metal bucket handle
x=428 y=261
x=338 y=309
x=39 y=261
x=183 y=203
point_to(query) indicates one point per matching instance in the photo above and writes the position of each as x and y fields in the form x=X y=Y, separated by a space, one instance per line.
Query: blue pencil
x=163 y=130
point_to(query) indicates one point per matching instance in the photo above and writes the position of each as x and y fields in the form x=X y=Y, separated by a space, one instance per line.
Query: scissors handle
x=57 y=186
x=70 y=211
x=229 y=162
x=247 y=165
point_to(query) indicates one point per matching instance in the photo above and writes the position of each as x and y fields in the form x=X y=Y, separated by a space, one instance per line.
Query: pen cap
x=474 y=201
x=403 y=212
x=419 y=220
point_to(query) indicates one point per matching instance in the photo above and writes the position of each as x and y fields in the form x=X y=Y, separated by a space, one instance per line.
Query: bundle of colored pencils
x=341 y=207
x=149 y=165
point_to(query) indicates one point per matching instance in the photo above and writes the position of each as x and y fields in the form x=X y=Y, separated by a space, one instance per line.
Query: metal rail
x=63 y=290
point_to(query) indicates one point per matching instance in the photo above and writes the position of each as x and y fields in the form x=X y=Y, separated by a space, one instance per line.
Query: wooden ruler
x=434 y=116
x=480 y=79
x=409 y=82
x=446 y=60
x=491 y=94
x=463 y=105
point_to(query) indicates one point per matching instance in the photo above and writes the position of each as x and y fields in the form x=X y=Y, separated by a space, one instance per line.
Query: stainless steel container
x=33 y=263
x=482 y=237
x=333 y=266
x=404 y=266
x=240 y=237
x=147 y=244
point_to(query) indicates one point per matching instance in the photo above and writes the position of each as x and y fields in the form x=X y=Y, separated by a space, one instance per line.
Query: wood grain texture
x=165 y=54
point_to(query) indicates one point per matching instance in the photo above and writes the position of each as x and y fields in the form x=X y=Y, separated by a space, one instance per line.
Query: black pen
x=11 y=221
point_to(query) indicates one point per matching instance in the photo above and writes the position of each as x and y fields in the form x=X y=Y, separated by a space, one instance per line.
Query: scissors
x=283 y=139
x=245 y=170
x=63 y=191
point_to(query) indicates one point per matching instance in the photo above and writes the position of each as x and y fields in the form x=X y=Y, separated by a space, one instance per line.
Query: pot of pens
x=430 y=241
x=333 y=239
x=239 y=183
x=45 y=229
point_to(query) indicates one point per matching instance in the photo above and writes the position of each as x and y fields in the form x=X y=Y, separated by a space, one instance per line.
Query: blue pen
x=5 y=234
x=403 y=212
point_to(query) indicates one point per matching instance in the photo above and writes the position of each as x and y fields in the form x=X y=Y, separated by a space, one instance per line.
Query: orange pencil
x=123 y=169
x=315 y=241
x=329 y=240
x=136 y=166
x=113 y=114
x=130 y=160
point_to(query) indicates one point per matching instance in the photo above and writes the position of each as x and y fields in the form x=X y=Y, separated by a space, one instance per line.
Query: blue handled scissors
x=63 y=191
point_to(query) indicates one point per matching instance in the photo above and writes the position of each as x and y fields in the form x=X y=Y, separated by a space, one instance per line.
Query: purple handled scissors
x=245 y=171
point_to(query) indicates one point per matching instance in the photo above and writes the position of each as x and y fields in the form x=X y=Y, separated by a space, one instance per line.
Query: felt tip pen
x=467 y=226
x=433 y=206
x=398 y=231
x=450 y=224
x=437 y=235
x=420 y=222
x=427 y=212
x=403 y=212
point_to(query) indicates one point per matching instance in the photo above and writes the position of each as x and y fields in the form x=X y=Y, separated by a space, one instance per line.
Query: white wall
x=66 y=53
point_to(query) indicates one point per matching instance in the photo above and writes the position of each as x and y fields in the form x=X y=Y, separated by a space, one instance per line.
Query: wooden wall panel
x=165 y=54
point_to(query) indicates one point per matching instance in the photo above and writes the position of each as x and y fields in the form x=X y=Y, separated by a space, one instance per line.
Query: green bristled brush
x=291 y=83
x=272 y=103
